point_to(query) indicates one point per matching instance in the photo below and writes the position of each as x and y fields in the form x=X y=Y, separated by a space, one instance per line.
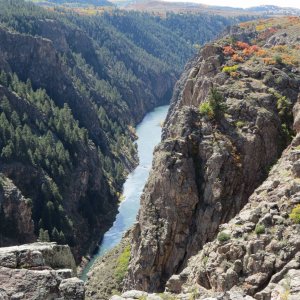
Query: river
x=149 y=135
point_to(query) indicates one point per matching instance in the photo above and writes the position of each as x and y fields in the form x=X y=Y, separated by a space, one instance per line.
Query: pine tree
x=62 y=239
x=55 y=235
x=43 y=235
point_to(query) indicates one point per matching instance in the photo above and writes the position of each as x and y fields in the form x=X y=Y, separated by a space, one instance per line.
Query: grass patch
x=260 y=229
x=122 y=264
x=295 y=214
x=223 y=236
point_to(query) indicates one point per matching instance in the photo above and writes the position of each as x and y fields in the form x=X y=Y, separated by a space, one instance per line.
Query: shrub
x=235 y=74
x=223 y=236
x=278 y=59
x=269 y=61
x=206 y=110
x=229 y=69
x=216 y=101
x=237 y=58
x=261 y=53
x=249 y=51
x=295 y=214
x=239 y=124
x=242 y=45
x=260 y=229
x=284 y=107
x=228 y=50
x=215 y=107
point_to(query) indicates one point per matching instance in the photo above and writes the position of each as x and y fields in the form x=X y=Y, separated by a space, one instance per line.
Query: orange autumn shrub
x=249 y=51
x=290 y=60
x=228 y=50
x=237 y=58
x=235 y=74
x=269 y=61
x=261 y=53
x=242 y=45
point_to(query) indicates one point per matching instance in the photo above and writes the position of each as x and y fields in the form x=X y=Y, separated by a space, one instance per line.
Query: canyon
x=215 y=216
x=219 y=214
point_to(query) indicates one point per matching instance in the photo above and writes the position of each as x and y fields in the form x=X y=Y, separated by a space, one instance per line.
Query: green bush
x=206 y=110
x=229 y=69
x=215 y=107
x=122 y=264
x=240 y=124
x=295 y=214
x=278 y=59
x=260 y=229
x=223 y=236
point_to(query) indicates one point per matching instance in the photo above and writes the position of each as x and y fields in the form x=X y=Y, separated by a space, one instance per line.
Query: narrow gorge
x=229 y=122
x=133 y=186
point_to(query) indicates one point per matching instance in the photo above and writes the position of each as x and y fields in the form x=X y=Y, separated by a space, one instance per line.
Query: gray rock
x=32 y=271
x=72 y=289
x=134 y=294
x=115 y=297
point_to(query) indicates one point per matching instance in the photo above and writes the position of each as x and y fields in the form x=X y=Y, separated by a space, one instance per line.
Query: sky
x=246 y=3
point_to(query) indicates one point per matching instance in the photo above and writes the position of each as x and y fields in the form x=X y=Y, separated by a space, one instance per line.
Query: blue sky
x=246 y=3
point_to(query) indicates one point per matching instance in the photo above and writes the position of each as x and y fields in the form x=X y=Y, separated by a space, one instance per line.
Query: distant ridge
x=74 y=3
x=156 y=6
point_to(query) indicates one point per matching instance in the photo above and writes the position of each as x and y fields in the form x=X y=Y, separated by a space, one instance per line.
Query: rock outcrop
x=210 y=162
x=261 y=255
x=15 y=215
x=39 y=271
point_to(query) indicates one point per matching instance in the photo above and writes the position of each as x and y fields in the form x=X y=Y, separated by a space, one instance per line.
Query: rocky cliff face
x=39 y=271
x=16 y=216
x=212 y=159
x=260 y=255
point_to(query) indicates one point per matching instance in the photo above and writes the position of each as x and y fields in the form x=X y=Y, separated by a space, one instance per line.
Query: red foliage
x=228 y=50
x=237 y=58
x=252 y=49
x=242 y=45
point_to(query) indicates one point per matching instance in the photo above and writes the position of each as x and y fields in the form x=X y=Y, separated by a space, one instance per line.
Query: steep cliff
x=260 y=254
x=230 y=120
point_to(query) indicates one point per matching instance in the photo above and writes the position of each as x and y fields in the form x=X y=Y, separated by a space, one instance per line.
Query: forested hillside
x=71 y=90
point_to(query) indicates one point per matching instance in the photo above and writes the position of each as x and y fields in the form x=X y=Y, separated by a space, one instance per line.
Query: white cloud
x=245 y=3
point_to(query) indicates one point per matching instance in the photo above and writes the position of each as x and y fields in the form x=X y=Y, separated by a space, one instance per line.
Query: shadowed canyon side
x=66 y=122
x=230 y=120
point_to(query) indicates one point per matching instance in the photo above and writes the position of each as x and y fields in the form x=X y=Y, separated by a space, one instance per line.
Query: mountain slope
x=213 y=157
x=67 y=119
